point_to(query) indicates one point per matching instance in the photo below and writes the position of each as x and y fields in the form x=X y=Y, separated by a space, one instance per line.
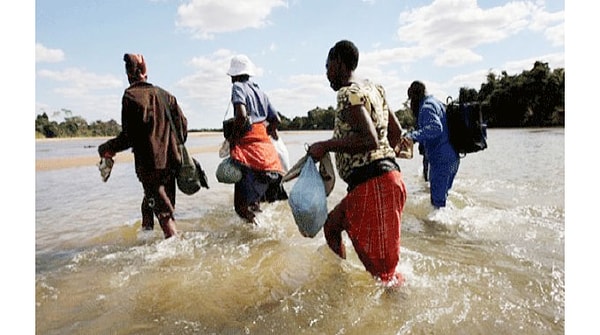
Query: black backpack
x=467 y=129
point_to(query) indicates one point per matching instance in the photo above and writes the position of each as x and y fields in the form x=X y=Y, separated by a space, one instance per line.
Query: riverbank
x=92 y=159
x=46 y=164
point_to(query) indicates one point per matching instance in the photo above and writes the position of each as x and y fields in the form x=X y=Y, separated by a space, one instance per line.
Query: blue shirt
x=433 y=129
x=256 y=101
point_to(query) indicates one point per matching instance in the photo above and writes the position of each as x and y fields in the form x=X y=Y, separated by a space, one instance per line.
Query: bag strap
x=169 y=116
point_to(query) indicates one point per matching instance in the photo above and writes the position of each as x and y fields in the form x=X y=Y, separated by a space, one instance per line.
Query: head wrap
x=135 y=65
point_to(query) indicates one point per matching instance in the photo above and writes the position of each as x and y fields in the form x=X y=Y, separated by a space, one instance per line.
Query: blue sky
x=188 y=44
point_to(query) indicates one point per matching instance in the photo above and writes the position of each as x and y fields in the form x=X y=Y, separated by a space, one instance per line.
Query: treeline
x=74 y=126
x=533 y=98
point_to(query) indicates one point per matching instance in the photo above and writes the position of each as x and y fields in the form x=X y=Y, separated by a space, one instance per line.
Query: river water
x=493 y=263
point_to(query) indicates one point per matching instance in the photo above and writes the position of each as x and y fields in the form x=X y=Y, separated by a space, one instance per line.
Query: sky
x=188 y=44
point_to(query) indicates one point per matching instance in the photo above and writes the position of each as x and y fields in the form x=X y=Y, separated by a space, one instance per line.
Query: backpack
x=467 y=129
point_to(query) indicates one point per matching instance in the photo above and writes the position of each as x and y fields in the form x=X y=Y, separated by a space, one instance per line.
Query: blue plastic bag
x=308 y=200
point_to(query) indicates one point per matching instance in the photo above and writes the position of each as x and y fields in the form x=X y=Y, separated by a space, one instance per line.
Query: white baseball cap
x=241 y=64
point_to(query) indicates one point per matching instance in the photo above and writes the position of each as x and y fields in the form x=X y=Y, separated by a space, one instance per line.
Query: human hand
x=317 y=150
x=404 y=148
x=103 y=152
x=406 y=141
x=273 y=133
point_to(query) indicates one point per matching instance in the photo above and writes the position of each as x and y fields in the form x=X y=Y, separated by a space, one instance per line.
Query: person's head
x=416 y=92
x=342 y=60
x=135 y=66
x=240 y=68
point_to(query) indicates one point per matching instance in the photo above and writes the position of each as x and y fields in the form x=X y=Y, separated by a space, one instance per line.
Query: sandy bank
x=125 y=156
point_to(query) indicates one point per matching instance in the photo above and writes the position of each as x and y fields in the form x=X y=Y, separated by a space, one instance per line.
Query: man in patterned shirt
x=365 y=133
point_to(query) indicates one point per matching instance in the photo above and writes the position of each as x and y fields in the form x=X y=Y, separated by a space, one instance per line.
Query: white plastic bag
x=308 y=200
x=282 y=151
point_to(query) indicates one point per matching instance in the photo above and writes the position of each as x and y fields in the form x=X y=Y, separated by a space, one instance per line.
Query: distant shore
x=191 y=134
x=125 y=156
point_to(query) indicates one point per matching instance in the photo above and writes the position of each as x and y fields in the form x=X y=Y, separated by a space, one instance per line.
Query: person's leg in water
x=159 y=194
x=425 y=167
x=248 y=193
x=441 y=176
x=167 y=223
x=374 y=229
x=241 y=205
x=147 y=214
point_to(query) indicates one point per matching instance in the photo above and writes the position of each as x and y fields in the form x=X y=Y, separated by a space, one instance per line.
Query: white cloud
x=394 y=55
x=204 y=18
x=556 y=35
x=456 y=57
x=85 y=93
x=209 y=78
x=79 y=82
x=552 y=24
x=307 y=92
x=449 y=29
x=46 y=55
x=207 y=91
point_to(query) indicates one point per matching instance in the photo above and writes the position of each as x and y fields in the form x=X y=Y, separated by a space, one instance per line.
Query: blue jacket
x=432 y=130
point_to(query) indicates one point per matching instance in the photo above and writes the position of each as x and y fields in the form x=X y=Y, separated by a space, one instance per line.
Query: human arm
x=179 y=118
x=362 y=138
x=273 y=119
x=110 y=148
x=430 y=124
x=240 y=122
x=394 y=129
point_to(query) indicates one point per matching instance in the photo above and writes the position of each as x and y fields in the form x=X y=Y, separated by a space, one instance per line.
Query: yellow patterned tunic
x=372 y=96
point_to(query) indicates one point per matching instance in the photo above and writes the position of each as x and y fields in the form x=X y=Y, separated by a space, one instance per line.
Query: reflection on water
x=492 y=264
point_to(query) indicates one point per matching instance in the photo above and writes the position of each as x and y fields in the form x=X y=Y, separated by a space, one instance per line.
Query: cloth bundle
x=190 y=176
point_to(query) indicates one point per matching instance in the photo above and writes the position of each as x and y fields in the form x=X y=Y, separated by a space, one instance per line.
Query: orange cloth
x=371 y=214
x=256 y=151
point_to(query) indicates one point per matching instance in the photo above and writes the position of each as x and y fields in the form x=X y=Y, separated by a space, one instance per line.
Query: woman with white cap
x=251 y=147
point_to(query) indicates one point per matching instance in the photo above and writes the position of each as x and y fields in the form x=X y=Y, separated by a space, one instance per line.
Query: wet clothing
x=147 y=131
x=371 y=212
x=443 y=159
x=262 y=170
x=425 y=162
x=159 y=195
